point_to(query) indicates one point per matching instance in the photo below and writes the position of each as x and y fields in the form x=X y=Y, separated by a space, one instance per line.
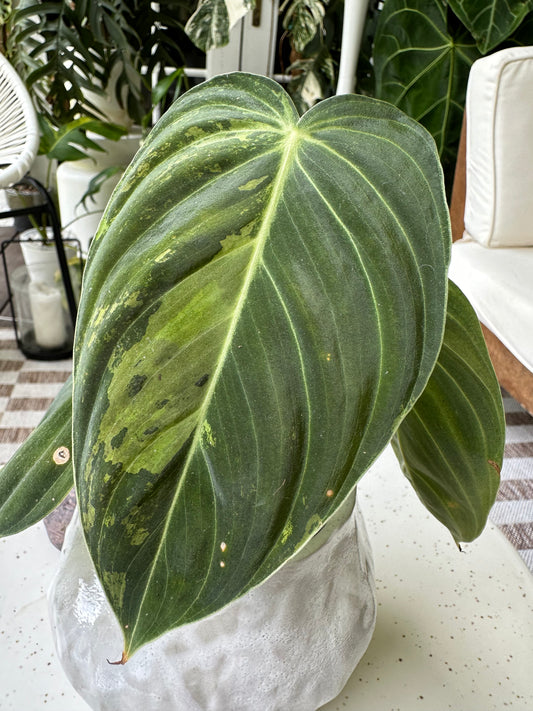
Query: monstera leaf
x=263 y=303
x=491 y=22
x=422 y=67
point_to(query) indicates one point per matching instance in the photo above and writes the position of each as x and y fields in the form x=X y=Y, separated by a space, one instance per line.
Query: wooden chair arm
x=457 y=204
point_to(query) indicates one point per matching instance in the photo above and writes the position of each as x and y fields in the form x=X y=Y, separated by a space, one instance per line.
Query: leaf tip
x=495 y=466
x=122 y=660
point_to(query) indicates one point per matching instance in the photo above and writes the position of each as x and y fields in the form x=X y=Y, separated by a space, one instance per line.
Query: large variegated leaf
x=263 y=303
x=210 y=24
x=39 y=475
x=451 y=442
x=302 y=19
x=422 y=67
x=5 y=11
x=491 y=21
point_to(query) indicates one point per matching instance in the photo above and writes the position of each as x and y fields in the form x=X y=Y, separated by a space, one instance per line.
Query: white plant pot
x=40 y=258
x=73 y=178
x=288 y=645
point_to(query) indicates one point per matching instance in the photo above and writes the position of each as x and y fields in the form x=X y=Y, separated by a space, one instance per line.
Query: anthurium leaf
x=210 y=24
x=491 y=21
x=451 y=443
x=422 y=67
x=263 y=302
x=38 y=477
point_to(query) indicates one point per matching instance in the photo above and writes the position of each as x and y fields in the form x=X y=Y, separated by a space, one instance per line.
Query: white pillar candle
x=48 y=315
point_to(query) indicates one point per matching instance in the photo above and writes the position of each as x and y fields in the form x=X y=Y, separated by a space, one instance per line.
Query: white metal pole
x=352 y=32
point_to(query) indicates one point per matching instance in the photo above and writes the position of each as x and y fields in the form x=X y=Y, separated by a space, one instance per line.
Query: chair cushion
x=499 y=171
x=499 y=286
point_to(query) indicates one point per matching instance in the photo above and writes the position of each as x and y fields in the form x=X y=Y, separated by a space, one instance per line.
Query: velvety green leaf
x=263 y=302
x=422 y=68
x=451 y=443
x=491 y=21
x=210 y=25
x=32 y=484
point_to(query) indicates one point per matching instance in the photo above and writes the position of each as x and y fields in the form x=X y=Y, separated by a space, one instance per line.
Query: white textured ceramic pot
x=288 y=645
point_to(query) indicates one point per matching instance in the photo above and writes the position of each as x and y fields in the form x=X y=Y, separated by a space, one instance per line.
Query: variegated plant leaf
x=5 y=11
x=302 y=19
x=451 y=443
x=210 y=24
x=263 y=303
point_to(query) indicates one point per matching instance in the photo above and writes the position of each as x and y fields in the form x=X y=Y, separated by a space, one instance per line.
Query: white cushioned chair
x=492 y=213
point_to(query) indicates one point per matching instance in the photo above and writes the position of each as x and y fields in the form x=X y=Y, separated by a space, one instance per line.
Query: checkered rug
x=27 y=387
x=513 y=510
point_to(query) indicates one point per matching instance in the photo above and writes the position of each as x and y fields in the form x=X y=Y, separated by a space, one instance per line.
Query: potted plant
x=265 y=307
x=86 y=53
x=89 y=68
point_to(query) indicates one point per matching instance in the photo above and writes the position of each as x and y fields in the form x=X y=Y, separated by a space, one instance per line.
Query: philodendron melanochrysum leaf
x=450 y=444
x=262 y=304
x=39 y=475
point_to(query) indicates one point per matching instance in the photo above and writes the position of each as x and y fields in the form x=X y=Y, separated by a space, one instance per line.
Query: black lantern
x=43 y=292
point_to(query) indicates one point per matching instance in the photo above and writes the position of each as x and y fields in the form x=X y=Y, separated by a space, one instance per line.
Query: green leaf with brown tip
x=451 y=443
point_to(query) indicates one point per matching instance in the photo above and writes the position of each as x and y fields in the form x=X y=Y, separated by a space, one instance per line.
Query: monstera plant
x=265 y=307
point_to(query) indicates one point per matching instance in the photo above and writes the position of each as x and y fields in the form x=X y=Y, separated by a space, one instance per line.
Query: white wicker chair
x=19 y=143
x=19 y=130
